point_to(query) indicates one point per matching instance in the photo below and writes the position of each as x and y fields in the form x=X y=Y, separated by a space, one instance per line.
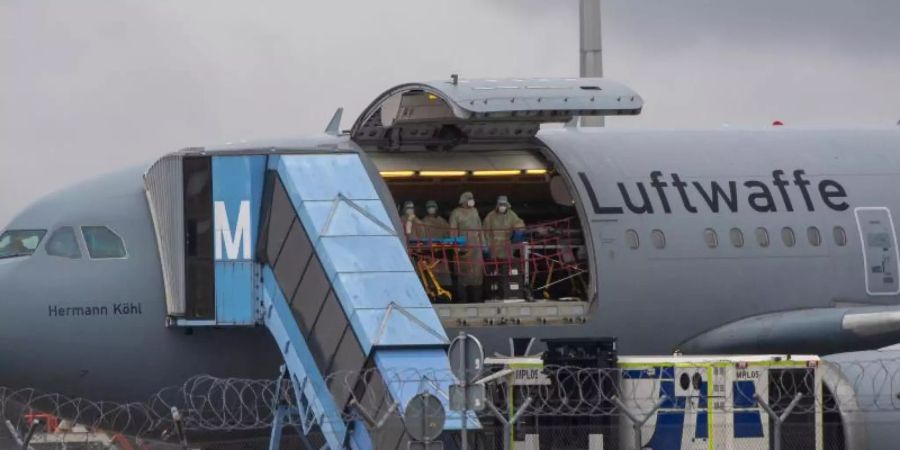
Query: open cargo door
x=433 y=141
x=440 y=115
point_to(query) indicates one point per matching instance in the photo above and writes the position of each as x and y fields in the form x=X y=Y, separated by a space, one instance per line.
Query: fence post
x=779 y=419
x=506 y=423
x=637 y=423
x=179 y=427
x=31 y=429
x=464 y=445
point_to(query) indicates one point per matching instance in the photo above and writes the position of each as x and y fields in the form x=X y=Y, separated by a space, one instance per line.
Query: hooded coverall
x=467 y=223
x=498 y=228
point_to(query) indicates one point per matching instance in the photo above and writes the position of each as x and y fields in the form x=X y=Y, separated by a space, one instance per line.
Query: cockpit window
x=63 y=243
x=15 y=243
x=103 y=243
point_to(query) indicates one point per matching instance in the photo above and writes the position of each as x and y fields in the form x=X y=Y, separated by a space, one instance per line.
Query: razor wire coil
x=232 y=405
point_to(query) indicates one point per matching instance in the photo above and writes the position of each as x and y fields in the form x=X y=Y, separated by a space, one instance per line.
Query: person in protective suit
x=465 y=221
x=412 y=226
x=436 y=227
x=499 y=225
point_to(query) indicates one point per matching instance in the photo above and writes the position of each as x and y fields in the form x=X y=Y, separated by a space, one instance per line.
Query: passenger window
x=712 y=239
x=815 y=238
x=631 y=238
x=737 y=237
x=63 y=243
x=840 y=236
x=787 y=235
x=762 y=237
x=14 y=243
x=658 y=238
x=103 y=243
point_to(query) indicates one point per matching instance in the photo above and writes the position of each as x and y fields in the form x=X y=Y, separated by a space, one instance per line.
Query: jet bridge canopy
x=442 y=113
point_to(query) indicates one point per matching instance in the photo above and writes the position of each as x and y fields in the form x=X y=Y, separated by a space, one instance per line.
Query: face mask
x=410 y=212
x=501 y=208
x=432 y=211
x=470 y=203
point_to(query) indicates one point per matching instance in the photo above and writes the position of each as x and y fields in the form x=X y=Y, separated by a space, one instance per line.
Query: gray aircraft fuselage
x=97 y=328
x=776 y=298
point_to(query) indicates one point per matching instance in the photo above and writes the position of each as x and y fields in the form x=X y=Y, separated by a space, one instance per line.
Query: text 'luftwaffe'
x=671 y=192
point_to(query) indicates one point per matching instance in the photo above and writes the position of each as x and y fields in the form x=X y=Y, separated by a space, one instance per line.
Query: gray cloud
x=90 y=86
x=865 y=27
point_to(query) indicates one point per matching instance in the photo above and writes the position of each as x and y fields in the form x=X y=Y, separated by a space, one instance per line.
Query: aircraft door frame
x=874 y=223
x=197 y=216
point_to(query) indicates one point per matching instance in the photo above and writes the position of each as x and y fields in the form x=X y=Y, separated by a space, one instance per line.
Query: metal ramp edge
x=317 y=411
x=342 y=291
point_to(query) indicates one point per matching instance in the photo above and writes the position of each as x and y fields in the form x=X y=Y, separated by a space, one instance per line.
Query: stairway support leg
x=281 y=413
x=281 y=410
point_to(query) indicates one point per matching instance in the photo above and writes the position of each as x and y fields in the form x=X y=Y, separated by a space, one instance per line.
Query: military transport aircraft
x=775 y=239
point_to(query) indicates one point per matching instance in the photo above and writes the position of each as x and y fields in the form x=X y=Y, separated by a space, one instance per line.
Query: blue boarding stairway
x=341 y=298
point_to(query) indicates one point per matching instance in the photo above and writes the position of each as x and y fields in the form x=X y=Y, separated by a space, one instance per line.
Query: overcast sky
x=90 y=86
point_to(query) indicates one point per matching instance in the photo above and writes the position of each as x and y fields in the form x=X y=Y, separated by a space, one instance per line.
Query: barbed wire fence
x=575 y=406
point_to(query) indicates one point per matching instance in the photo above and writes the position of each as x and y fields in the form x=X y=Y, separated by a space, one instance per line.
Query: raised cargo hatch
x=445 y=114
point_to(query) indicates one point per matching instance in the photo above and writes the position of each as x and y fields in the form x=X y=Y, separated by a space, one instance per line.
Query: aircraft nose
x=5 y=266
x=10 y=295
x=9 y=287
x=6 y=281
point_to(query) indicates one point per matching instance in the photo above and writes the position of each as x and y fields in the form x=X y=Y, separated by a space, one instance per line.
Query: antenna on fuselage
x=334 y=126
x=591 y=49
